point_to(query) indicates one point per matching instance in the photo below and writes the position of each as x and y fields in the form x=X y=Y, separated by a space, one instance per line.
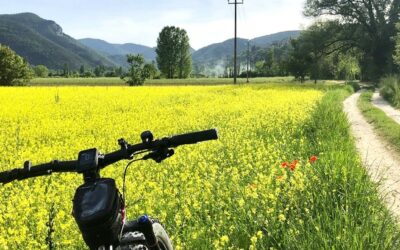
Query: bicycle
x=98 y=206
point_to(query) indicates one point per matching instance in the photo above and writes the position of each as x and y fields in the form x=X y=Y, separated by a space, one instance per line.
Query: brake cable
x=124 y=177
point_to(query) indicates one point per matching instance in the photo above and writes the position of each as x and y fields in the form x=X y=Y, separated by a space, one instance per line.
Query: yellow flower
x=202 y=188
x=253 y=241
x=241 y=202
x=224 y=239
x=259 y=234
x=281 y=217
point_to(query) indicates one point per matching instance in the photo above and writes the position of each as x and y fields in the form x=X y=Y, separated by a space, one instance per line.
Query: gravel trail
x=382 y=104
x=381 y=161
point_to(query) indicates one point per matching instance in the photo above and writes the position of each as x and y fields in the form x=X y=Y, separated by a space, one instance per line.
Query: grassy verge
x=100 y=81
x=345 y=211
x=115 y=81
x=390 y=89
x=384 y=125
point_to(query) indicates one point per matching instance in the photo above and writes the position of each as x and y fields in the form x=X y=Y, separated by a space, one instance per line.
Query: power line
x=235 y=2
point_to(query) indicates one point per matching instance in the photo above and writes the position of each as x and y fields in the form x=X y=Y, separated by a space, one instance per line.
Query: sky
x=140 y=21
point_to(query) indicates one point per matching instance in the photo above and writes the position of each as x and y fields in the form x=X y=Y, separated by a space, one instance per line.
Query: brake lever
x=124 y=147
x=159 y=155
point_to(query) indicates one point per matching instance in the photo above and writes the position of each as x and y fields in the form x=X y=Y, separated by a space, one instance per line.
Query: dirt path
x=379 y=102
x=383 y=163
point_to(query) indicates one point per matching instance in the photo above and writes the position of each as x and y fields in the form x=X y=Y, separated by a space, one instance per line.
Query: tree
x=364 y=24
x=99 y=70
x=396 y=55
x=299 y=61
x=348 y=67
x=119 y=71
x=150 y=70
x=66 y=70
x=82 y=70
x=173 y=52
x=136 y=74
x=14 y=70
x=41 y=71
x=318 y=52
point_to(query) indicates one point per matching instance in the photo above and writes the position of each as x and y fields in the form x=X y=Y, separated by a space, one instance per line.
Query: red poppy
x=313 y=159
x=284 y=164
x=253 y=186
x=293 y=165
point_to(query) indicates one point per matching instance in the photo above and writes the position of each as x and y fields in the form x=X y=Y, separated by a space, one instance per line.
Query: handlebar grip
x=8 y=176
x=35 y=171
x=192 y=138
x=3 y=177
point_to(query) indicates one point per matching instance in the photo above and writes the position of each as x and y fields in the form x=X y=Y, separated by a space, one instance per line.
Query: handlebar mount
x=91 y=161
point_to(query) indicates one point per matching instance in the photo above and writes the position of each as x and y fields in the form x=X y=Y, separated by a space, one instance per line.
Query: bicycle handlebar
x=39 y=170
x=167 y=142
x=125 y=152
x=194 y=137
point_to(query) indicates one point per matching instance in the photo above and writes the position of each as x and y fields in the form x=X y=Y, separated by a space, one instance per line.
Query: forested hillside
x=43 y=42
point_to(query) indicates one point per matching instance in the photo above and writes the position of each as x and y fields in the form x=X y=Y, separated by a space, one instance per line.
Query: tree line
x=357 y=33
x=358 y=40
x=285 y=58
x=173 y=61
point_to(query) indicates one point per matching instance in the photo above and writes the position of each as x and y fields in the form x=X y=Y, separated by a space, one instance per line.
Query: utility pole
x=248 y=59
x=235 y=2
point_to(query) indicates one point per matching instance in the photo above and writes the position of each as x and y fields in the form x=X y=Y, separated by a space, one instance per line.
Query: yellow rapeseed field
x=225 y=194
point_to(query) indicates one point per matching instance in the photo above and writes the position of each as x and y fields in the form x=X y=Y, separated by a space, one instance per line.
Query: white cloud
x=203 y=34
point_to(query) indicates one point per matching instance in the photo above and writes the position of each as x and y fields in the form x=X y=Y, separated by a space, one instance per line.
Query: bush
x=41 y=71
x=355 y=85
x=14 y=70
x=139 y=71
x=390 y=89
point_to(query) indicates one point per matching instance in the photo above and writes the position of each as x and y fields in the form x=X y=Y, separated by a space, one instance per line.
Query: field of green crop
x=283 y=175
x=115 y=81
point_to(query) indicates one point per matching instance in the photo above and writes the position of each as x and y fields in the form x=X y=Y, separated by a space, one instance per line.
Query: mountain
x=117 y=52
x=265 y=41
x=221 y=51
x=218 y=51
x=210 y=55
x=42 y=41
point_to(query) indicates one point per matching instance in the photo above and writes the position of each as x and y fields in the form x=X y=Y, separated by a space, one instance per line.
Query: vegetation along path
x=381 y=103
x=381 y=161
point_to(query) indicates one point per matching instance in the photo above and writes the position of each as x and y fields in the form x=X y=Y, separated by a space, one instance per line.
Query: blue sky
x=140 y=21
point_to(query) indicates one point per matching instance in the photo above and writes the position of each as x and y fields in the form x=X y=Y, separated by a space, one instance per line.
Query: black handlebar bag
x=96 y=208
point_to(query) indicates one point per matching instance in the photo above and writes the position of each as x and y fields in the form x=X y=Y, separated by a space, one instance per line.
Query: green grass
x=390 y=89
x=55 y=81
x=345 y=210
x=384 y=125
x=115 y=81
